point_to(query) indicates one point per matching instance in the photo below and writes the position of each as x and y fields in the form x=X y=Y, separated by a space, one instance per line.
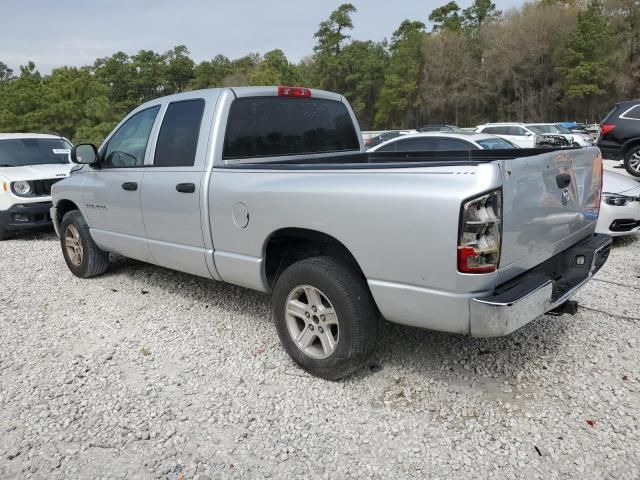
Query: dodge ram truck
x=270 y=188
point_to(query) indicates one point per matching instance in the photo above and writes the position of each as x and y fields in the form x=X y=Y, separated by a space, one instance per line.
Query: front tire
x=83 y=257
x=325 y=317
x=632 y=161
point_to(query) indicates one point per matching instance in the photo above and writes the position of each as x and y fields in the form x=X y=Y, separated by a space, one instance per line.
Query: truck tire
x=325 y=316
x=83 y=257
x=632 y=161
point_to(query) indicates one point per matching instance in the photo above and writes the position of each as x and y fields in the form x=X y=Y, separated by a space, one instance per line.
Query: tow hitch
x=570 y=307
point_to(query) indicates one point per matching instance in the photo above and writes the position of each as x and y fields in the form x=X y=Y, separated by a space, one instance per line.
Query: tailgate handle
x=563 y=180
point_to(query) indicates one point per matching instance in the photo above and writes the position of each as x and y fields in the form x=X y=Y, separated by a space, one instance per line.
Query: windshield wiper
x=6 y=165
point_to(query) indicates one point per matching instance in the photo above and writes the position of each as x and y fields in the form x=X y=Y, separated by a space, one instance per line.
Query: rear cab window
x=271 y=126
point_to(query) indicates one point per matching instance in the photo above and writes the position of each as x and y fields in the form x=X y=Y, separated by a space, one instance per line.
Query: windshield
x=495 y=144
x=33 y=151
x=544 y=128
x=563 y=129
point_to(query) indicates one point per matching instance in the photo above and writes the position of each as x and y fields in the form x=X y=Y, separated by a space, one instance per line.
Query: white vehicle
x=440 y=141
x=29 y=164
x=620 y=206
x=516 y=133
x=575 y=139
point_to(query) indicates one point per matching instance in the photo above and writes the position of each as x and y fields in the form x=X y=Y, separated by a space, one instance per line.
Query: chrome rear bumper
x=537 y=293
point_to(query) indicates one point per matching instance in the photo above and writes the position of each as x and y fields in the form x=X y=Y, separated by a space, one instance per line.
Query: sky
x=53 y=33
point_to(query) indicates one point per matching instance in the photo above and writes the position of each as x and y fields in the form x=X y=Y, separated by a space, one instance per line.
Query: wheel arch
x=63 y=206
x=289 y=245
x=629 y=144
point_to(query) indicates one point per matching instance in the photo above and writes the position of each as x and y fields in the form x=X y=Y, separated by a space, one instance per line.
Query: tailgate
x=550 y=202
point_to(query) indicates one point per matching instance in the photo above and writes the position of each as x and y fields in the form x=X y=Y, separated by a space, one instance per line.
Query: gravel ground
x=149 y=373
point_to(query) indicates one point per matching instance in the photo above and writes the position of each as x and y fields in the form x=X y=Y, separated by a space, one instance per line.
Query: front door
x=112 y=192
x=172 y=186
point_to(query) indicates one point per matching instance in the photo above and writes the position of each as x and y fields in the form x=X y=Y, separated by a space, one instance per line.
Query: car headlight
x=21 y=188
x=617 y=200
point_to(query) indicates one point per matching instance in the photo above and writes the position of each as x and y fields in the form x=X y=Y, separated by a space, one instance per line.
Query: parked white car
x=29 y=164
x=575 y=139
x=620 y=206
x=516 y=133
x=440 y=141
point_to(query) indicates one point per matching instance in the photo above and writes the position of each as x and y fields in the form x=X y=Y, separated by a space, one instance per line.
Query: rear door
x=172 y=186
x=550 y=201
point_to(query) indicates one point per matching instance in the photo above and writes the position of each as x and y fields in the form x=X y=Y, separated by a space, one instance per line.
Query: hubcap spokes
x=634 y=162
x=73 y=244
x=312 y=322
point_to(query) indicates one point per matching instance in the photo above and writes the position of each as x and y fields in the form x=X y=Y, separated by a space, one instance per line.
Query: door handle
x=186 y=187
x=563 y=180
x=130 y=186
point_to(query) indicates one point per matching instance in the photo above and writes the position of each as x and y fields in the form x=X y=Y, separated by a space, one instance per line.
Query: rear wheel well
x=629 y=145
x=290 y=245
x=63 y=207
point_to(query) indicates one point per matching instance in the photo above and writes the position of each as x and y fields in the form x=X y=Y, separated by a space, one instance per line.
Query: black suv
x=620 y=135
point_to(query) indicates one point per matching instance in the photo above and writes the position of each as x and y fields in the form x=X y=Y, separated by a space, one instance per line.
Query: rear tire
x=83 y=257
x=325 y=316
x=632 y=161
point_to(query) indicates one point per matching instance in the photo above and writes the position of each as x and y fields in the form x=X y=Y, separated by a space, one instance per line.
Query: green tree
x=447 y=17
x=274 y=69
x=330 y=40
x=588 y=56
x=212 y=73
x=363 y=68
x=149 y=80
x=179 y=70
x=6 y=73
x=399 y=102
x=477 y=14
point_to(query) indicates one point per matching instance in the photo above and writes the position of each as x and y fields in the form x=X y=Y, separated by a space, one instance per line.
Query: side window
x=127 y=146
x=178 y=137
x=455 y=144
x=388 y=148
x=633 y=113
x=417 y=145
x=495 y=130
x=517 y=131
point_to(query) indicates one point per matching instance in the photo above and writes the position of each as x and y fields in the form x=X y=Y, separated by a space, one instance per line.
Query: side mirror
x=84 y=154
x=529 y=134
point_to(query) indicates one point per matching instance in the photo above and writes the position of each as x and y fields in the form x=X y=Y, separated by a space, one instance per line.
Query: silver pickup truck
x=270 y=188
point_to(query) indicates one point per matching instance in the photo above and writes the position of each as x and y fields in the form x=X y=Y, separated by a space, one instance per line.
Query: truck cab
x=30 y=164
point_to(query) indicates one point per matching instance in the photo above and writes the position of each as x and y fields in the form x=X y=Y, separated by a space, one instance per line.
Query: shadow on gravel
x=426 y=351
x=191 y=288
x=421 y=351
x=45 y=234
x=625 y=240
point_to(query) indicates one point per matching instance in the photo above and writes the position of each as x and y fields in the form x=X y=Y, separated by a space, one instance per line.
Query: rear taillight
x=293 y=91
x=480 y=234
x=606 y=128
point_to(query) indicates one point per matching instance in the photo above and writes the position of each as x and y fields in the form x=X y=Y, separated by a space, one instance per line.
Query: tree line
x=549 y=60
